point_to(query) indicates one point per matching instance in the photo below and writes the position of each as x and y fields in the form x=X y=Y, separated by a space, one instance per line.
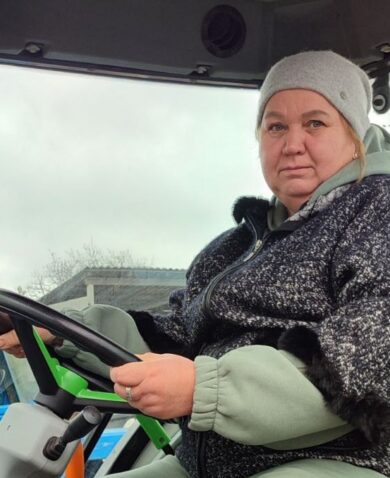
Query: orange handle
x=75 y=468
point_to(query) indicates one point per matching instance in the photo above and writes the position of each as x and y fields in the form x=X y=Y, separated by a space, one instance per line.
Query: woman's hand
x=162 y=385
x=9 y=342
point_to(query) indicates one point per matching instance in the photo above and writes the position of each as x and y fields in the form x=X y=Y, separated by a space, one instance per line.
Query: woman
x=278 y=346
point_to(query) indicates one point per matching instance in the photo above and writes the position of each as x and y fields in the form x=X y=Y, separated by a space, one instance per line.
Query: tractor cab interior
x=175 y=49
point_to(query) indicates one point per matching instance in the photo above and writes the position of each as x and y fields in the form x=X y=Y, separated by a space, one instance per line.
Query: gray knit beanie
x=341 y=82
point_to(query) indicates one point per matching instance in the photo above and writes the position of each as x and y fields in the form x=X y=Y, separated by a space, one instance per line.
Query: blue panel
x=106 y=443
x=3 y=409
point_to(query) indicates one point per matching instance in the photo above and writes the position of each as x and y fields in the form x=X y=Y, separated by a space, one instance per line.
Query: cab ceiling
x=200 y=41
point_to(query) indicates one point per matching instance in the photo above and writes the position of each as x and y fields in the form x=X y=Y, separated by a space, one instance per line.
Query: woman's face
x=303 y=142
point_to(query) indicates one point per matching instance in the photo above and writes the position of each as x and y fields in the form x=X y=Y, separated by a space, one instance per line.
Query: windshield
x=146 y=167
x=112 y=186
x=127 y=178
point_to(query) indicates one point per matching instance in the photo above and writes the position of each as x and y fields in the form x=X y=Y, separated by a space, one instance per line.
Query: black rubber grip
x=5 y=323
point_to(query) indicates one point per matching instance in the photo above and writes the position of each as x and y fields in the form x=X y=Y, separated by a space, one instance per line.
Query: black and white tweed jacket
x=319 y=287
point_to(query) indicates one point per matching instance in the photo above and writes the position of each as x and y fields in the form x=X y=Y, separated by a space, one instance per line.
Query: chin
x=299 y=188
x=298 y=193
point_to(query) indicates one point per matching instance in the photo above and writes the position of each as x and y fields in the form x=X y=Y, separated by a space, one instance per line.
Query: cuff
x=206 y=394
x=66 y=349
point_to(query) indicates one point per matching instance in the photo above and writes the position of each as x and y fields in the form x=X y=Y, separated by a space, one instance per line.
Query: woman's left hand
x=162 y=385
x=10 y=343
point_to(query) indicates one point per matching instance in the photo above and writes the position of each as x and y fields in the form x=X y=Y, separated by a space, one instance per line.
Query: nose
x=294 y=142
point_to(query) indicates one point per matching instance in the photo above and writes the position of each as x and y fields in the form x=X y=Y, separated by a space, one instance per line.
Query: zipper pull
x=258 y=245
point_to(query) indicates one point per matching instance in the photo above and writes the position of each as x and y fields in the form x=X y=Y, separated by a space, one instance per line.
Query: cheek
x=331 y=157
x=268 y=158
x=266 y=169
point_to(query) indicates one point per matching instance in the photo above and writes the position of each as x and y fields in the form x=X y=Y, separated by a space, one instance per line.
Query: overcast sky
x=152 y=168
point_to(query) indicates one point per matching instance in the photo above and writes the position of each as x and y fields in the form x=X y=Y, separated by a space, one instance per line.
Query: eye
x=315 y=124
x=276 y=127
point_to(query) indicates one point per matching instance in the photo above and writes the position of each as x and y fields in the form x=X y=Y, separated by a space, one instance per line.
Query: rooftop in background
x=127 y=288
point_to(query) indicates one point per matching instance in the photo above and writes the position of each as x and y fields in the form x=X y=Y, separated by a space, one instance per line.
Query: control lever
x=78 y=427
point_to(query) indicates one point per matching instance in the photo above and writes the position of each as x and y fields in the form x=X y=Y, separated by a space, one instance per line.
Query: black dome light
x=223 y=31
x=381 y=94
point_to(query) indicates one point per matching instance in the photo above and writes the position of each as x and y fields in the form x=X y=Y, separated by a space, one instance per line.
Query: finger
x=148 y=403
x=8 y=340
x=16 y=351
x=130 y=374
x=135 y=393
x=117 y=373
x=149 y=356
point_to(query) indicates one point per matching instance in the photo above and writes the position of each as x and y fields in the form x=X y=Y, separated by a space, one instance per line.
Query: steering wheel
x=62 y=388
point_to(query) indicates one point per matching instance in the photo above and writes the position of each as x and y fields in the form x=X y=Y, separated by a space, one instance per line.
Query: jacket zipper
x=258 y=246
x=202 y=472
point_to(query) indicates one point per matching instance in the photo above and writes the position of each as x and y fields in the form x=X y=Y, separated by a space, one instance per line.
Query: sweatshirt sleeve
x=110 y=322
x=258 y=395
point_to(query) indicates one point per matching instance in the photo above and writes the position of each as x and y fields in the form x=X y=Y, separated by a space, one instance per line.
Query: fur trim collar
x=250 y=205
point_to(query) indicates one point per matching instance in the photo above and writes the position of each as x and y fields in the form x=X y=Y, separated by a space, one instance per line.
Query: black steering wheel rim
x=25 y=313
x=35 y=313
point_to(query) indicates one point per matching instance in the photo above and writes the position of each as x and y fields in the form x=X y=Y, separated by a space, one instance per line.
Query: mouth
x=295 y=169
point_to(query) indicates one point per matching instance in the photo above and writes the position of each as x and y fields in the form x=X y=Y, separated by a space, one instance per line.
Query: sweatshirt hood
x=377 y=144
